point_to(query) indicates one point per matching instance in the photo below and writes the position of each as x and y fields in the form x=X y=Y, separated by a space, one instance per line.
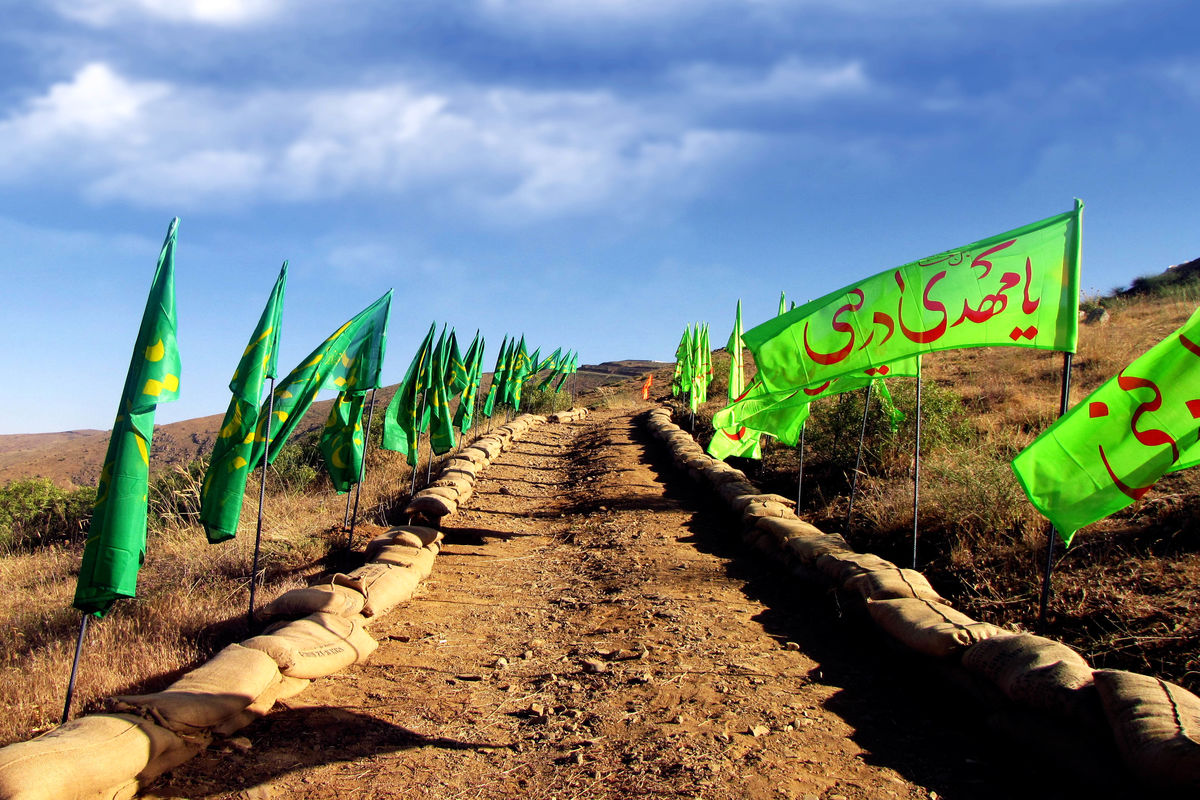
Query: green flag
x=116 y=542
x=1110 y=449
x=349 y=360
x=456 y=368
x=464 y=417
x=516 y=375
x=783 y=309
x=441 y=421
x=1018 y=288
x=400 y=420
x=554 y=362
x=679 y=381
x=783 y=414
x=569 y=367
x=737 y=380
x=489 y=402
x=342 y=442
x=225 y=480
x=741 y=442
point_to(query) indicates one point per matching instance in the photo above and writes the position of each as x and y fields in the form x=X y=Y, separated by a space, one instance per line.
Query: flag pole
x=916 y=473
x=417 y=432
x=362 y=469
x=74 y=668
x=1064 y=400
x=262 y=494
x=862 y=434
x=800 y=472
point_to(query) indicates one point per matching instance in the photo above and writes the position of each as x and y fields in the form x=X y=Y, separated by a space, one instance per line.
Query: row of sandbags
x=313 y=632
x=573 y=415
x=1035 y=687
x=456 y=482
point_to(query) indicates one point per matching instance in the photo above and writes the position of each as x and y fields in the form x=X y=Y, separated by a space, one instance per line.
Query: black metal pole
x=1063 y=402
x=74 y=669
x=800 y=472
x=916 y=473
x=362 y=469
x=862 y=434
x=262 y=495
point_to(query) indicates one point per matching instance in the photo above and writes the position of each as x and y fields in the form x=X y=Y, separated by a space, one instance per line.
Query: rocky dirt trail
x=591 y=630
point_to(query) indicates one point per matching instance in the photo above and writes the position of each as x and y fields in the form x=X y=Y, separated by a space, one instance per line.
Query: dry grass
x=192 y=598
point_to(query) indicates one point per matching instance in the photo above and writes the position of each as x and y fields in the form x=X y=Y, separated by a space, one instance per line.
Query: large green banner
x=342 y=443
x=401 y=419
x=116 y=542
x=1018 y=288
x=1110 y=449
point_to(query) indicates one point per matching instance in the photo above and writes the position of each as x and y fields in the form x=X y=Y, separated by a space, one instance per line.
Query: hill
x=73 y=458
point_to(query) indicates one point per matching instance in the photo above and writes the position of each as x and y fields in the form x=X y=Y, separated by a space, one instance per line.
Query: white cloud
x=788 y=81
x=510 y=153
x=206 y=12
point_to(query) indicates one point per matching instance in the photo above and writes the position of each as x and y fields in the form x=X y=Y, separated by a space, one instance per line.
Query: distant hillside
x=74 y=457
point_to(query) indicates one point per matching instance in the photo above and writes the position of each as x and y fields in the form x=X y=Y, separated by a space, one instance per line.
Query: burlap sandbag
x=211 y=693
x=420 y=560
x=316 y=646
x=765 y=508
x=415 y=536
x=807 y=549
x=841 y=567
x=892 y=584
x=1034 y=671
x=732 y=491
x=97 y=757
x=262 y=705
x=739 y=501
x=386 y=585
x=328 y=597
x=1156 y=725
x=784 y=529
x=431 y=505
x=927 y=627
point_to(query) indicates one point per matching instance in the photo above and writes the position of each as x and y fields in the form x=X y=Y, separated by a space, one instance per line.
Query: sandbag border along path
x=320 y=631
x=585 y=636
x=1033 y=689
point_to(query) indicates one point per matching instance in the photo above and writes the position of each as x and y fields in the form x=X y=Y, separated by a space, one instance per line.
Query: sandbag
x=211 y=693
x=892 y=584
x=97 y=757
x=431 y=505
x=784 y=529
x=841 y=567
x=386 y=585
x=328 y=597
x=316 y=646
x=407 y=535
x=809 y=548
x=286 y=687
x=1156 y=725
x=1037 y=672
x=927 y=627
x=765 y=508
x=420 y=561
x=732 y=491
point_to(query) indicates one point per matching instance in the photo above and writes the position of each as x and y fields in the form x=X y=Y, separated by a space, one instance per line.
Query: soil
x=592 y=629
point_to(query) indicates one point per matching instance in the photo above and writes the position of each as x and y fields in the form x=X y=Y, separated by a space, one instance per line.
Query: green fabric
x=224 y=484
x=895 y=416
x=349 y=360
x=116 y=542
x=489 y=402
x=516 y=376
x=742 y=442
x=569 y=368
x=457 y=375
x=555 y=363
x=783 y=414
x=400 y=418
x=1018 y=288
x=342 y=441
x=783 y=309
x=1110 y=449
x=737 y=380
x=680 y=381
x=437 y=402
x=464 y=417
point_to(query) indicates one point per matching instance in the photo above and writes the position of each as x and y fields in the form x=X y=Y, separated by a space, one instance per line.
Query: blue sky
x=594 y=174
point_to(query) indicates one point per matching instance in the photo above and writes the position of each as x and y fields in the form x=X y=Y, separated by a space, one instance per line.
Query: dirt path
x=591 y=631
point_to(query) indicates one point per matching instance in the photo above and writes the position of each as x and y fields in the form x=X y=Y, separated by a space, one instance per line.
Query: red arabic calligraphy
x=841 y=327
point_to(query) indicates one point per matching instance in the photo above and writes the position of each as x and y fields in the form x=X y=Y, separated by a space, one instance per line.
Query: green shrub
x=35 y=512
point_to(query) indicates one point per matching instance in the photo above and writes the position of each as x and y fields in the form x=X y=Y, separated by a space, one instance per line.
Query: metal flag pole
x=916 y=473
x=800 y=473
x=1044 y=602
x=75 y=668
x=417 y=432
x=362 y=469
x=858 y=461
x=262 y=495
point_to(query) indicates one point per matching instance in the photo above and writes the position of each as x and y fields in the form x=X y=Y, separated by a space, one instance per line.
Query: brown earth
x=591 y=630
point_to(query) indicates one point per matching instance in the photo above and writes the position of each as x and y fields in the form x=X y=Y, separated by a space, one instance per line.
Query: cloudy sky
x=593 y=173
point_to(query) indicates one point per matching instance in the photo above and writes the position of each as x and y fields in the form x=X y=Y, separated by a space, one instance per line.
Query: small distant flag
x=646 y=386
